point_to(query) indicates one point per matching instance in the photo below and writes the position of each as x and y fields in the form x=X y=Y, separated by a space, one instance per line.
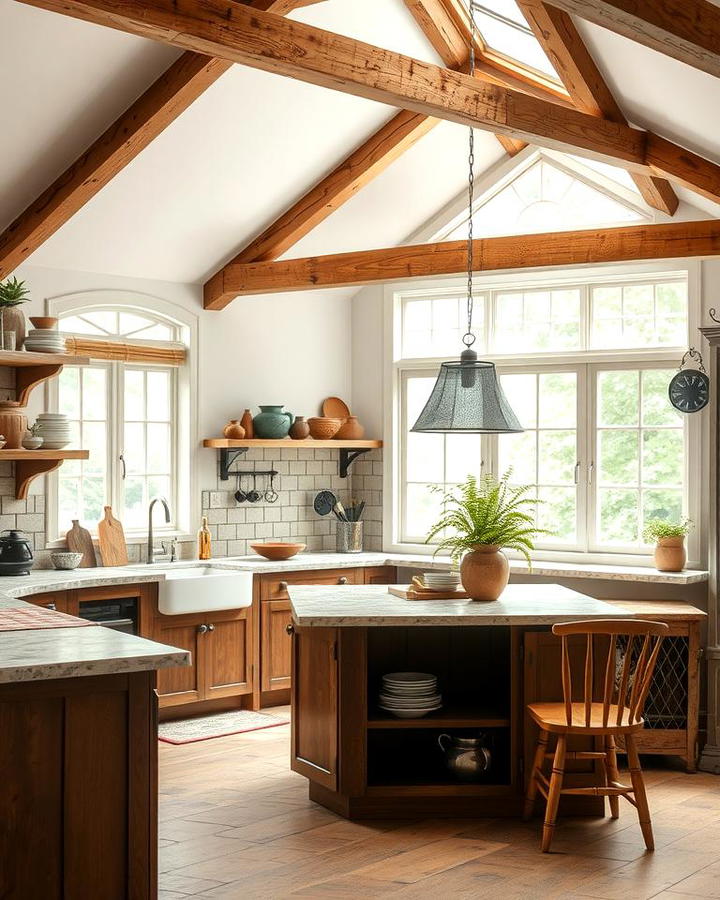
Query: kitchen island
x=78 y=718
x=491 y=659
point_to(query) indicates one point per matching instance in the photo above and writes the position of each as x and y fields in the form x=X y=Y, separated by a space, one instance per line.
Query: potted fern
x=479 y=519
x=669 y=540
x=12 y=294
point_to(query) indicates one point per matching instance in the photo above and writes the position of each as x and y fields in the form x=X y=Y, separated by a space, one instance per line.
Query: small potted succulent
x=33 y=439
x=479 y=520
x=12 y=293
x=669 y=540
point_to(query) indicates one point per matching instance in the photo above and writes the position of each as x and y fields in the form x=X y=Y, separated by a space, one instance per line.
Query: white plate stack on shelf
x=409 y=695
x=54 y=429
x=441 y=581
x=45 y=340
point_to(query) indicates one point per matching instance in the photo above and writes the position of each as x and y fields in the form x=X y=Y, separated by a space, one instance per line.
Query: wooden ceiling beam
x=169 y=96
x=360 y=167
x=452 y=45
x=687 y=30
x=564 y=248
x=560 y=39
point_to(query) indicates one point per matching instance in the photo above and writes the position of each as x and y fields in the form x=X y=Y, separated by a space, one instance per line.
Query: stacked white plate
x=54 y=429
x=409 y=695
x=441 y=581
x=45 y=340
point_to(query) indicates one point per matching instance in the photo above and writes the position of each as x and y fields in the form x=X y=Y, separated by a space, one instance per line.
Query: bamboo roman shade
x=165 y=354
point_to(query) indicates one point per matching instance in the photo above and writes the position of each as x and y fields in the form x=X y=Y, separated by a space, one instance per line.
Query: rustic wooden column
x=710 y=759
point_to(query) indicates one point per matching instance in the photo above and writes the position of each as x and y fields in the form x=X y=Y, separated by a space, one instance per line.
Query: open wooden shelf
x=444 y=718
x=231 y=449
x=30 y=464
x=35 y=368
x=288 y=443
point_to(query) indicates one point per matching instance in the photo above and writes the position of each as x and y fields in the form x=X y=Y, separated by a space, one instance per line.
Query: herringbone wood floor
x=235 y=822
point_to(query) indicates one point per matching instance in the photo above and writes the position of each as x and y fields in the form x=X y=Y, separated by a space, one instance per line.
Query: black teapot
x=16 y=557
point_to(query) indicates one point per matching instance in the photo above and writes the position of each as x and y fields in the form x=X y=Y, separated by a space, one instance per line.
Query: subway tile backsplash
x=302 y=472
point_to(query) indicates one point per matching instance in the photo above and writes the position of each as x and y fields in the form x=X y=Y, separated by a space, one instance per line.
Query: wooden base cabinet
x=222 y=659
x=78 y=794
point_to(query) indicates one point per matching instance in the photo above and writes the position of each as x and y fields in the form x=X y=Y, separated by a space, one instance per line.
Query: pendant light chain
x=469 y=337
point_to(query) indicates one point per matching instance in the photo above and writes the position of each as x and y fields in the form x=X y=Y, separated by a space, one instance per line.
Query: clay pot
x=670 y=555
x=13 y=424
x=484 y=572
x=43 y=322
x=247 y=424
x=350 y=430
x=299 y=429
x=234 y=430
x=323 y=428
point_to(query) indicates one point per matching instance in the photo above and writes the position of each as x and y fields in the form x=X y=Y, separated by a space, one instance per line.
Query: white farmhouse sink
x=197 y=589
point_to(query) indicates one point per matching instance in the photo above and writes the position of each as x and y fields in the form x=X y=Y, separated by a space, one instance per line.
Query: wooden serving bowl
x=45 y=322
x=277 y=550
x=323 y=428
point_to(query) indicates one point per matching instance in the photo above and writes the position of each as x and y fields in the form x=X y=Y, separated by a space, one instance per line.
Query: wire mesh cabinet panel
x=672 y=707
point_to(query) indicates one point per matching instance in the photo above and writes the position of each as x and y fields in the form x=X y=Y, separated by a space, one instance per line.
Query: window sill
x=551 y=569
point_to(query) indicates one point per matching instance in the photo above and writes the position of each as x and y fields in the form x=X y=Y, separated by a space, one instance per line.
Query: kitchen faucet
x=151 y=549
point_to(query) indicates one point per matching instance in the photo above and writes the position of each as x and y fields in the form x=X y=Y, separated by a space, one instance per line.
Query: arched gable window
x=130 y=408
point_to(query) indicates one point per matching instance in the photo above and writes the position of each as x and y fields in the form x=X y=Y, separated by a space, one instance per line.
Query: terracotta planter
x=234 y=430
x=670 y=555
x=350 y=430
x=14 y=320
x=13 y=424
x=484 y=572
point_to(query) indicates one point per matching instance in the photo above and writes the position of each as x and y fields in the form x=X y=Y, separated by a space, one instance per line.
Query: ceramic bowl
x=276 y=550
x=44 y=322
x=323 y=428
x=66 y=560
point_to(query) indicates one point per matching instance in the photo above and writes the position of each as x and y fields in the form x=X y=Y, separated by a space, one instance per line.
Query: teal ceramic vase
x=272 y=423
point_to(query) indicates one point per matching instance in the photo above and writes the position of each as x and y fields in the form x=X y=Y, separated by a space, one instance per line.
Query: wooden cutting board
x=412 y=593
x=79 y=541
x=113 y=548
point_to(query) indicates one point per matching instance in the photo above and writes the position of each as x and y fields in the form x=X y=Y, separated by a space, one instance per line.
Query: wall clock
x=689 y=389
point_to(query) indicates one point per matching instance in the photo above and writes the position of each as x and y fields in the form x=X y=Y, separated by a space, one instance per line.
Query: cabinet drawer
x=274 y=587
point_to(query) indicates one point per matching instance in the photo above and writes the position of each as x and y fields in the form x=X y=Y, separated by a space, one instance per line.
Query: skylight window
x=505 y=30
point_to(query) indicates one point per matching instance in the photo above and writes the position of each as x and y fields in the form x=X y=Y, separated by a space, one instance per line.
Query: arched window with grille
x=130 y=408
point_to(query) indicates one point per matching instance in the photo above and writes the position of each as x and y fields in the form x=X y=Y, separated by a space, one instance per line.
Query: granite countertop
x=372 y=605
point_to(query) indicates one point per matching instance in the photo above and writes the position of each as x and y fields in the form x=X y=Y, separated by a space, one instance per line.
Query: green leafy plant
x=488 y=512
x=13 y=293
x=656 y=529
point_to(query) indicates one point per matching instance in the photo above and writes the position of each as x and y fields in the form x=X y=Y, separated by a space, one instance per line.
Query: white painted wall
x=285 y=348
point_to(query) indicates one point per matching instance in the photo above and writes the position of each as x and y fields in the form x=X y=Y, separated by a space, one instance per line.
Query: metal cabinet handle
x=283 y=586
x=52 y=606
x=211 y=628
x=202 y=629
x=342 y=580
x=591 y=472
x=290 y=629
x=577 y=472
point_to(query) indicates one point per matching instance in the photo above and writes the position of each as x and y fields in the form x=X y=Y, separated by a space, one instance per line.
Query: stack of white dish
x=409 y=695
x=441 y=581
x=54 y=429
x=45 y=340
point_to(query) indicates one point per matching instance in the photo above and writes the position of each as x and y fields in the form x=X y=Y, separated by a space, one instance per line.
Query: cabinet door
x=57 y=600
x=315 y=705
x=275 y=587
x=380 y=575
x=181 y=684
x=227 y=651
x=276 y=645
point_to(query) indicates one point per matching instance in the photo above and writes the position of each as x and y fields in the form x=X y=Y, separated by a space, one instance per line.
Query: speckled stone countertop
x=372 y=605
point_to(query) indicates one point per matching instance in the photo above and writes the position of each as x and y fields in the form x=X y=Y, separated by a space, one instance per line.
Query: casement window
x=586 y=368
x=128 y=408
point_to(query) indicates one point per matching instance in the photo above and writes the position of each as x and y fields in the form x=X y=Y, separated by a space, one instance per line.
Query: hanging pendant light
x=467 y=397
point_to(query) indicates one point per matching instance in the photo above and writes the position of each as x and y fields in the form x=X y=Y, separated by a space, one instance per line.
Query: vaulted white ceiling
x=255 y=142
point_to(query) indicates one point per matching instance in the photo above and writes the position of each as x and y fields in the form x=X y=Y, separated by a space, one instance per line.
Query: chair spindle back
x=630 y=690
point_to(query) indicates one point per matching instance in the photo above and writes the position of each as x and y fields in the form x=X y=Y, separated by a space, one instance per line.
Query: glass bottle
x=204 y=540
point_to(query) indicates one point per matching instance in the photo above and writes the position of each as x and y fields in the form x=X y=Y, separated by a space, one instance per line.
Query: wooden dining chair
x=626 y=677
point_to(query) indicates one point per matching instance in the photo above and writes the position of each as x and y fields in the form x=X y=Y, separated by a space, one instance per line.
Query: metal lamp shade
x=467 y=399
